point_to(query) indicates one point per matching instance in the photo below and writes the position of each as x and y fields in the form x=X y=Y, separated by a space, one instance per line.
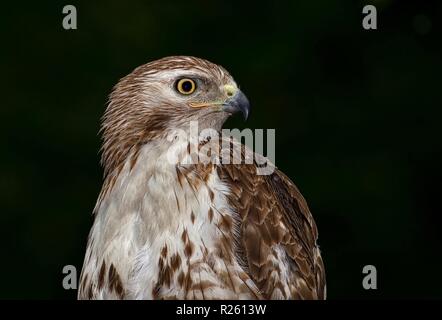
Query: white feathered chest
x=166 y=230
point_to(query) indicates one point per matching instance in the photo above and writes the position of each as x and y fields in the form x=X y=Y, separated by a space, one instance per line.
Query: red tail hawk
x=167 y=230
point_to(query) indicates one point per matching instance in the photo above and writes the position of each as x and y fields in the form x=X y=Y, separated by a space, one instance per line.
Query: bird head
x=165 y=95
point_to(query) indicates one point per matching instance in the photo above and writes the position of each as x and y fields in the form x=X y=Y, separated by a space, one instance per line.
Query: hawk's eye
x=186 y=86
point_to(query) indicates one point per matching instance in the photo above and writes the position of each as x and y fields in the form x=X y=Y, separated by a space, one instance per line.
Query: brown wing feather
x=277 y=232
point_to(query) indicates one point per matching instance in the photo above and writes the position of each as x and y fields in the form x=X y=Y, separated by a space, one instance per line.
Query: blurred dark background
x=357 y=116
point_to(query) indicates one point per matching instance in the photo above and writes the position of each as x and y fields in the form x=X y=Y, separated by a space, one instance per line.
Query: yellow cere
x=230 y=90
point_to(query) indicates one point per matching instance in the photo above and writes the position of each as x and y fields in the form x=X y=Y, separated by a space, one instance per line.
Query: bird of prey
x=174 y=230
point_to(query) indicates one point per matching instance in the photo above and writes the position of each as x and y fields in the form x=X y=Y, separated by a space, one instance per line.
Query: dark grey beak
x=238 y=103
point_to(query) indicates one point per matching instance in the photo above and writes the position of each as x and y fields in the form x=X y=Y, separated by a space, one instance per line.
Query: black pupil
x=186 y=86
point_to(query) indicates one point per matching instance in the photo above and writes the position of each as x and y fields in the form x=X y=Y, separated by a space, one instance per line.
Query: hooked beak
x=238 y=103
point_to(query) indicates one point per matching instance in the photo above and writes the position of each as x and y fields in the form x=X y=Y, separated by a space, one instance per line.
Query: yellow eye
x=186 y=86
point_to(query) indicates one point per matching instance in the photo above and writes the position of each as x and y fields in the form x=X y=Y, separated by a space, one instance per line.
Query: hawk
x=174 y=230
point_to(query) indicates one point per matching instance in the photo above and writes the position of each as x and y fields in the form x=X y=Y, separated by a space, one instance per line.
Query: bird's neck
x=158 y=183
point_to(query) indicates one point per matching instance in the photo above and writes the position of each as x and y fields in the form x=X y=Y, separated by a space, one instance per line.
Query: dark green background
x=357 y=116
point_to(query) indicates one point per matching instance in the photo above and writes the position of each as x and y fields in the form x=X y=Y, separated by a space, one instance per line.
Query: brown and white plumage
x=167 y=230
